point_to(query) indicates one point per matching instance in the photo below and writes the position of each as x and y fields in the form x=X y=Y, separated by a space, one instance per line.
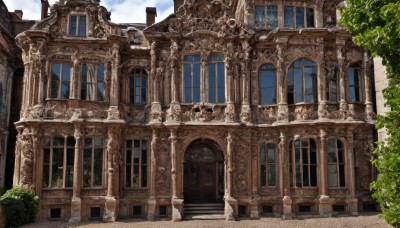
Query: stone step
x=206 y=217
x=204 y=211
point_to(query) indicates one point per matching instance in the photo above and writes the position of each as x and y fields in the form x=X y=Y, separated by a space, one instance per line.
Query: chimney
x=18 y=13
x=45 y=8
x=177 y=4
x=151 y=14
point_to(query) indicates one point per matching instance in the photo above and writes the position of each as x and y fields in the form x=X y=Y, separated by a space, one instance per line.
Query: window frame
x=131 y=93
x=261 y=88
x=77 y=25
x=339 y=148
x=192 y=74
x=314 y=78
x=329 y=90
x=65 y=166
x=218 y=64
x=266 y=22
x=130 y=146
x=92 y=149
x=264 y=147
x=60 y=82
x=294 y=23
x=96 y=82
x=293 y=165
x=357 y=87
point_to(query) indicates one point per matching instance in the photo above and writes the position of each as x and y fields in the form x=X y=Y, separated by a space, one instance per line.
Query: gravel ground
x=363 y=220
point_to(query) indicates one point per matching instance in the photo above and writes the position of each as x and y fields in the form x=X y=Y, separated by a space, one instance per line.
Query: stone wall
x=2 y=216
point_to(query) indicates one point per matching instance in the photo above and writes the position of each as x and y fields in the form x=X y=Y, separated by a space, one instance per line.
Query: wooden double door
x=203 y=170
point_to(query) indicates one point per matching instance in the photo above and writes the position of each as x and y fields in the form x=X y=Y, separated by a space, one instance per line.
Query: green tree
x=376 y=26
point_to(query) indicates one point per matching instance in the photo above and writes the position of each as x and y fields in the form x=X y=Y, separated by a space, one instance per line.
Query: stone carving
x=162 y=180
x=204 y=113
x=303 y=112
x=329 y=12
x=241 y=165
x=268 y=114
x=27 y=158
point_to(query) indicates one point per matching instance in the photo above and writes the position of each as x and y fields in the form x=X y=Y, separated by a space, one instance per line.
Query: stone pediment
x=98 y=24
x=211 y=17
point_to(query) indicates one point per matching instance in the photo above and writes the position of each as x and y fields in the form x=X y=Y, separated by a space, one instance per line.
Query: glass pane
x=57 y=168
x=212 y=82
x=100 y=91
x=135 y=176
x=271 y=153
x=70 y=142
x=144 y=144
x=342 y=176
x=262 y=154
x=84 y=81
x=306 y=181
x=82 y=25
x=69 y=174
x=128 y=175
x=272 y=16
x=352 y=94
x=298 y=85
x=313 y=157
x=288 y=17
x=196 y=82
x=58 y=142
x=188 y=82
x=298 y=176
x=305 y=155
x=144 y=89
x=299 y=17
x=310 y=84
x=341 y=155
x=144 y=176
x=313 y=172
x=332 y=175
x=136 y=156
x=55 y=80
x=260 y=16
x=98 y=167
x=136 y=143
x=221 y=83
x=271 y=175
x=290 y=87
x=100 y=72
x=128 y=157
x=46 y=161
x=87 y=164
x=310 y=17
x=72 y=26
x=98 y=142
x=263 y=175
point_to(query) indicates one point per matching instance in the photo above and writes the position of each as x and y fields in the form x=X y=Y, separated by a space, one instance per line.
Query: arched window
x=302 y=82
x=191 y=72
x=354 y=83
x=216 y=79
x=331 y=86
x=267 y=161
x=336 y=161
x=303 y=163
x=268 y=84
x=138 y=87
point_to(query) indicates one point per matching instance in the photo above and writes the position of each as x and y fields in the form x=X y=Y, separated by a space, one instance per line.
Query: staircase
x=204 y=211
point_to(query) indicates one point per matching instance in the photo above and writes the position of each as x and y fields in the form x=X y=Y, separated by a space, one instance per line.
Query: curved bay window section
x=267 y=76
x=354 y=84
x=138 y=87
x=336 y=163
x=302 y=82
x=303 y=163
x=92 y=84
x=216 y=79
x=191 y=72
x=268 y=165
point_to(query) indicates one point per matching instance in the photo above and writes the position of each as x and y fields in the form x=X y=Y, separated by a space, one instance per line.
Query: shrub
x=21 y=206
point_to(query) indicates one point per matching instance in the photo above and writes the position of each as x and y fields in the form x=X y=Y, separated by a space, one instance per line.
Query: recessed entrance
x=203 y=172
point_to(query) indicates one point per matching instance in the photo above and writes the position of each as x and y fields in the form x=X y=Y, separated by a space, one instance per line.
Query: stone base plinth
x=110 y=209
x=287 y=208
x=231 y=209
x=151 y=209
x=177 y=210
x=76 y=210
x=325 y=206
x=353 y=207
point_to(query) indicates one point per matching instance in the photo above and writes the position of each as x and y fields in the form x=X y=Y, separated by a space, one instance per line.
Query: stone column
x=177 y=204
x=322 y=107
x=325 y=203
x=230 y=202
x=174 y=111
x=76 y=208
x=319 y=15
x=76 y=68
x=155 y=73
x=369 y=112
x=255 y=200
x=113 y=111
x=152 y=202
x=230 y=106
x=112 y=153
x=287 y=201
x=17 y=163
x=42 y=78
x=342 y=82
x=245 y=115
x=283 y=109
x=37 y=161
x=351 y=177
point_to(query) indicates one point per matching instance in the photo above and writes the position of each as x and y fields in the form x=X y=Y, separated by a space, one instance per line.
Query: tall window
x=336 y=168
x=354 y=84
x=268 y=84
x=216 y=79
x=77 y=25
x=93 y=162
x=302 y=82
x=60 y=79
x=331 y=86
x=138 y=87
x=191 y=72
x=268 y=170
x=266 y=16
x=136 y=163
x=298 y=17
x=92 y=82
x=303 y=163
x=58 y=162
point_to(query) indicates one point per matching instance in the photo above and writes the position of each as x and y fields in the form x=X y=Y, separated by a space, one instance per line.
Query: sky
x=122 y=11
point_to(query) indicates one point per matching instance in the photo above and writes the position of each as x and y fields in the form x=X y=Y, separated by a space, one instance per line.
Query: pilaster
x=152 y=202
x=76 y=203
x=351 y=179
x=283 y=108
x=155 y=74
x=231 y=204
x=286 y=201
x=325 y=203
x=369 y=112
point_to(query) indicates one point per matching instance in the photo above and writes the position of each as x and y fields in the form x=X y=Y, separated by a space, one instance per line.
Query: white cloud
x=122 y=11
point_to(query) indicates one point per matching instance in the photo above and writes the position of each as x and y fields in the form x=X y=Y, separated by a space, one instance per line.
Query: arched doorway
x=203 y=172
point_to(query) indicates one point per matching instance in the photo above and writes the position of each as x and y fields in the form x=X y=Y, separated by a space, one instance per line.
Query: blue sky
x=122 y=11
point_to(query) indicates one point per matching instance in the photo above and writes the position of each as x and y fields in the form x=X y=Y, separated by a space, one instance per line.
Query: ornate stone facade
x=110 y=112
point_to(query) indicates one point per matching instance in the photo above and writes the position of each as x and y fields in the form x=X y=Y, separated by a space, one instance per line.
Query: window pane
x=212 y=82
x=87 y=168
x=144 y=157
x=272 y=16
x=310 y=17
x=313 y=172
x=299 y=17
x=55 y=80
x=310 y=84
x=46 y=167
x=262 y=154
x=290 y=86
x=221 y=82
x=271 y=175
x=100 y=91
x=306 y=181
x=136 y=156
x=128 y=175
x=57 y=168
x=342 y=176
x=82 y=25
x=305 y=155
x=298 y=176
x=144 y=176
x=196 y=82
x=69 y=174
x=271 y=153
x=136 y=176
x=298 y=83
x=332 y=175
x=84 y=81
x=144 y=89
x=72 y=26
x=263 y=175
x=288 y=16
x=260 y=16
x=188 y=82
x=97 y=167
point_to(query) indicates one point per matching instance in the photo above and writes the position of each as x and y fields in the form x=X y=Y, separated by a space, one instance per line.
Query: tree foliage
x=376 y=26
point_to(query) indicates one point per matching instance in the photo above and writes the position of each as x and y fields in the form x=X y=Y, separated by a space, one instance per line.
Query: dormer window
x=298 y=17
x=77 y=25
